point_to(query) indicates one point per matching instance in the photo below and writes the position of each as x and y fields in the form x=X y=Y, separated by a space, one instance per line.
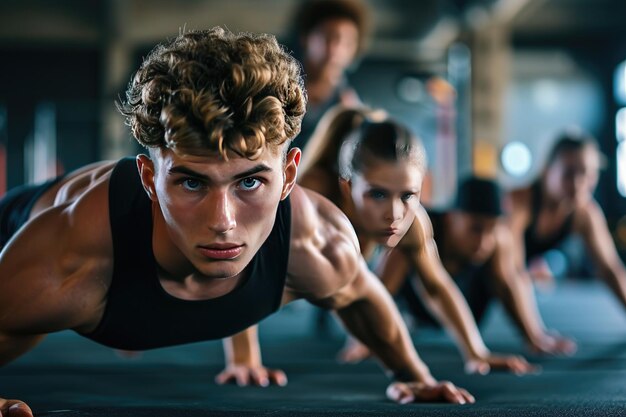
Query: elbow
x=431 y=291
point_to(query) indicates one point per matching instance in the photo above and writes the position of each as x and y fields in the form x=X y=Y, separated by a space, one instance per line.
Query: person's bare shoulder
x=588 y=217
x=56 y=271
x=324 y=251
x=518 y=209
x=419 y=234
x=517 y=199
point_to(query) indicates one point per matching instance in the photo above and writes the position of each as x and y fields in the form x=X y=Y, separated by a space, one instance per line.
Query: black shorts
x=16 y=205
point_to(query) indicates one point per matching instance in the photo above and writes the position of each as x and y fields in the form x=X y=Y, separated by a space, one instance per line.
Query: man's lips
x=221 y=251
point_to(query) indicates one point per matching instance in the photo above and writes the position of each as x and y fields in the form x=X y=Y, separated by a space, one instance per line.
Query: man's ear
x=145 y=165
x=290 y=173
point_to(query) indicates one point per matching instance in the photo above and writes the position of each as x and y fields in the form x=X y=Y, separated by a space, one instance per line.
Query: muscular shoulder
x=56 y=270
x=324 y=249
x=420 y=235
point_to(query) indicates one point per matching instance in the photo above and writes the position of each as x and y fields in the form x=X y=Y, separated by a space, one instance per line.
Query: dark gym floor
x=70 y=376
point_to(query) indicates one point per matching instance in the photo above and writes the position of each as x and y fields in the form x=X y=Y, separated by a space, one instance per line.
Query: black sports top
x=536 y=245
x=140 y=314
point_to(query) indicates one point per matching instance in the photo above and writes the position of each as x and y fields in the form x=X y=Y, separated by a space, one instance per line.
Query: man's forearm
x=376 y=322
x=12 y=347
x=518 y=298
x=243 y=348
x=616 y=280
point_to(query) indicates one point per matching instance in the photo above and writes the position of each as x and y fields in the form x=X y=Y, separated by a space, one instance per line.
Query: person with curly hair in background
x=331 y=35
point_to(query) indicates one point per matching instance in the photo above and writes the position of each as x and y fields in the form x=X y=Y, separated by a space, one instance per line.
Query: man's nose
x=220 y=212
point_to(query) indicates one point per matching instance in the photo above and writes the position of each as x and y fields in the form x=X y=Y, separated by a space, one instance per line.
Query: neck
x=176 y=273
x=196 y=287
x=324 y=75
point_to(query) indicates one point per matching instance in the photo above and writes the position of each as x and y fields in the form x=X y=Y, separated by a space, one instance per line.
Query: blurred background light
x=516 y=158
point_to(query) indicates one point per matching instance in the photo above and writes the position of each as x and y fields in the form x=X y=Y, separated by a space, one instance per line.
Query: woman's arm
x=447 y=303
x=514 y=287
x=591 y=224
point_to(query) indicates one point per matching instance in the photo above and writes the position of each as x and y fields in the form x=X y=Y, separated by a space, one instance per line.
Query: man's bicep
x=32 y=279
x=357 y=286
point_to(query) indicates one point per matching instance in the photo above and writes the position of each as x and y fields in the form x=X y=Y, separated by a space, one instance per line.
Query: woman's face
x=573 y=175
x=385 y=197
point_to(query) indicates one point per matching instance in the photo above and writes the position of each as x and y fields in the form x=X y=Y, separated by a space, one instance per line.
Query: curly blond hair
x=216 y=91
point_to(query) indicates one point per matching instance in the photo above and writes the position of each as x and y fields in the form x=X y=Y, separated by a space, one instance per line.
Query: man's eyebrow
x=252 y=171
x=184 y=170
x=190 y=172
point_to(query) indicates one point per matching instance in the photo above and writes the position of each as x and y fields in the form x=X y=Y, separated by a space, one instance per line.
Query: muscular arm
x=53 y=276
x=13 y=346
x=447 y=303
x=418 y=254
x=370 y=315
x=440 y=292
x=25 y=288
x=48 y=282
x=327 y=269
x=591 y=224
x=515 y=290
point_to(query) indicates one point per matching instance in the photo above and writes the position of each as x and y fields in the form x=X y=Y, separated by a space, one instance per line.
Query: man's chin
x=220 y=271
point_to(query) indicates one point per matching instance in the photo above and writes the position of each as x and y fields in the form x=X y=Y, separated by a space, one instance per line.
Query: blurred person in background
x=331 y=35
x=560 y=203
x=474 y=246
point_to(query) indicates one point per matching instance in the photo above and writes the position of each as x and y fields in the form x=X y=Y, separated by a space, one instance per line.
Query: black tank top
x=534 y=244
x=140 y=314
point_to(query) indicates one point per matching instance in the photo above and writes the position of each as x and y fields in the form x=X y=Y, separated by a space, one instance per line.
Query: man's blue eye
x=191 y=184
x=249 y=184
